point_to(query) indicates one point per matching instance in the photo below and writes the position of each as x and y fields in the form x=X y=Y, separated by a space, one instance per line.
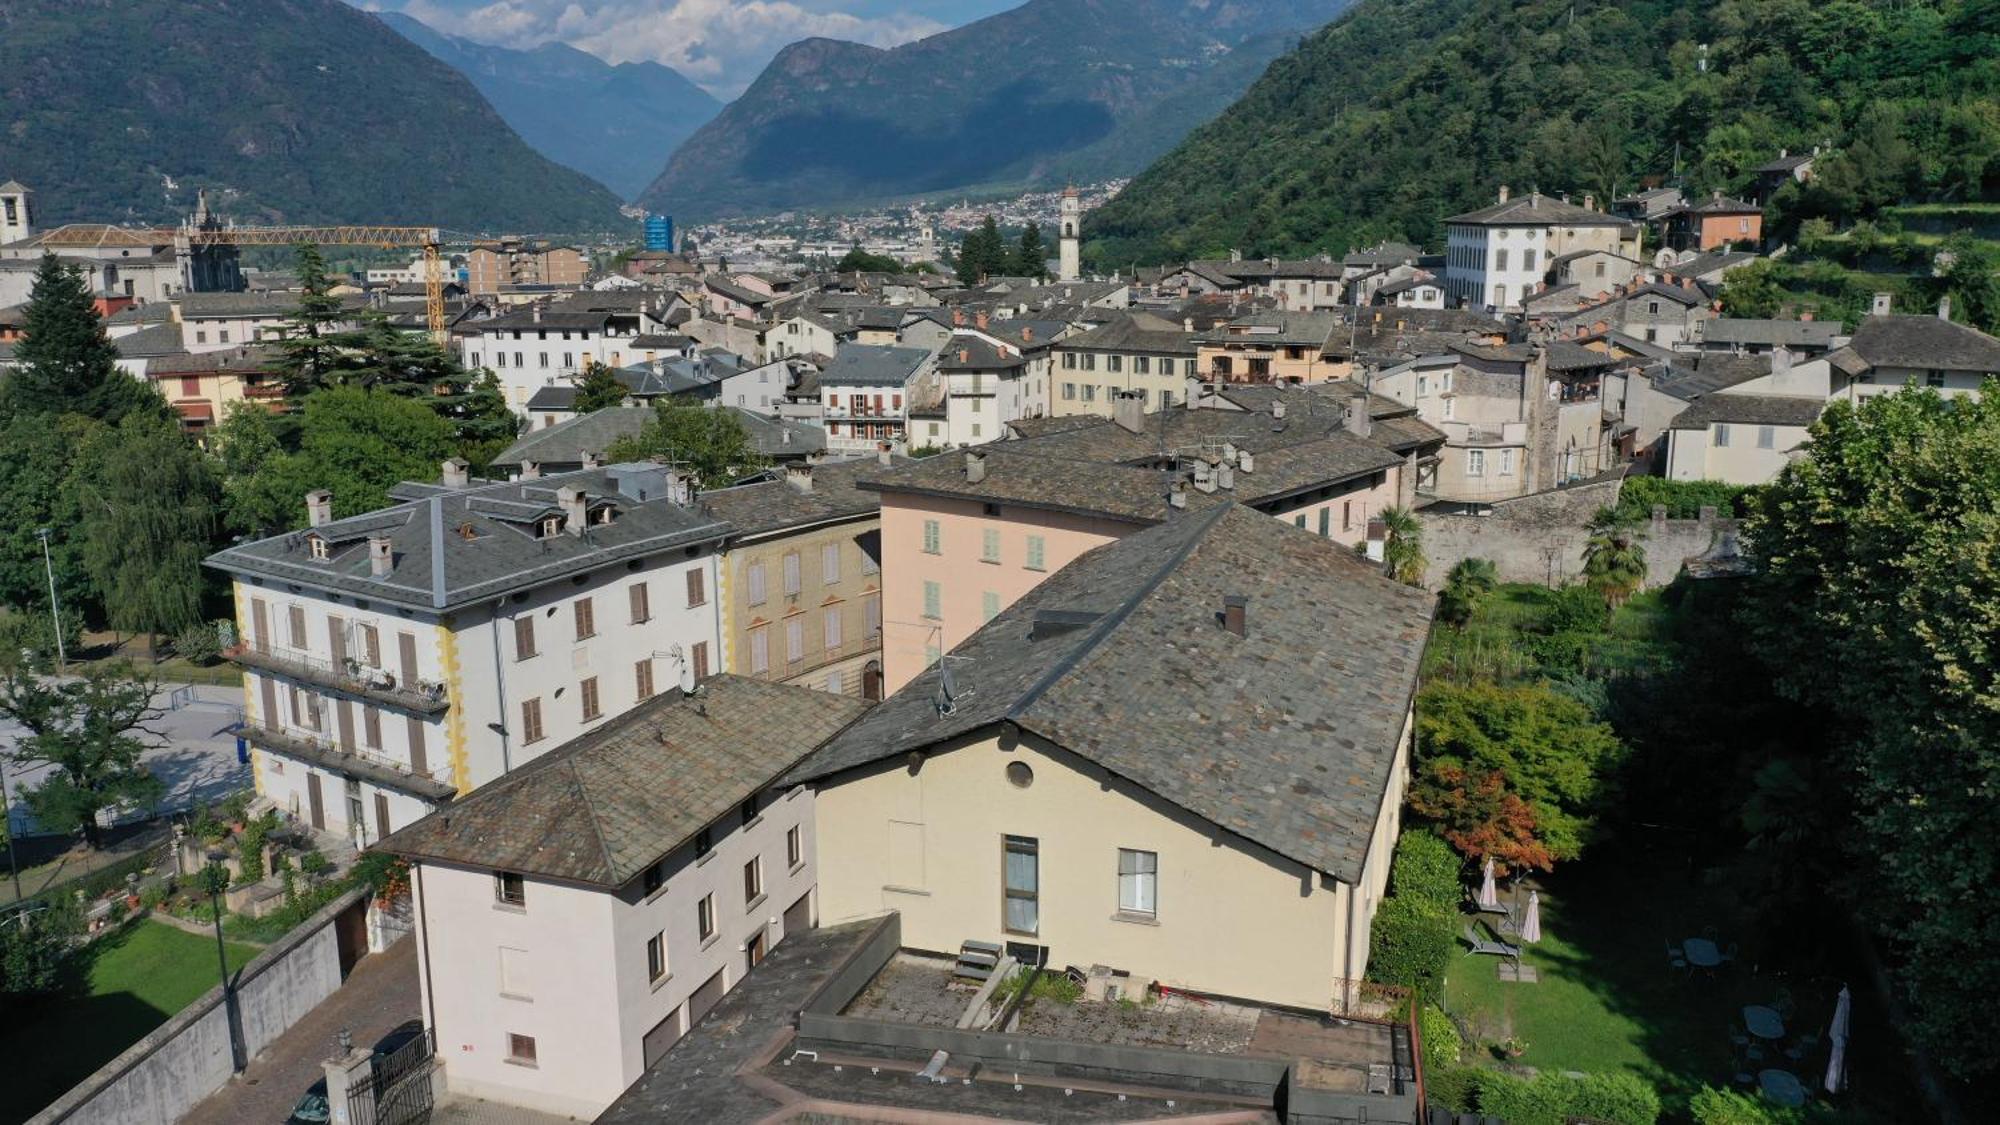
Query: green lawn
x=136 y=980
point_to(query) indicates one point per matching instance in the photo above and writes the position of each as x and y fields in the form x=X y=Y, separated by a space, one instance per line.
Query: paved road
x=380 y=993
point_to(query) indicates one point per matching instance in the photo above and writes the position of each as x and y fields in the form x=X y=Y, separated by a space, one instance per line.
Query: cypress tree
x=66 y=364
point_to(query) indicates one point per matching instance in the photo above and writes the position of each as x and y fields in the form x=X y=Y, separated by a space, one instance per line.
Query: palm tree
x=1403 y=549
x=1470 y=580
x=1614 y=564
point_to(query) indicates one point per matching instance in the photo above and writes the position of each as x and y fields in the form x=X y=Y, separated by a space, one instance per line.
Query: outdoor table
x=1763 y=1022
x=1701 y=953
x=1783 y=1087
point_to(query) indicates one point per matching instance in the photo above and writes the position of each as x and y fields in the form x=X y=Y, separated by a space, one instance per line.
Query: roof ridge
x=590 y=811
x=1112 y=620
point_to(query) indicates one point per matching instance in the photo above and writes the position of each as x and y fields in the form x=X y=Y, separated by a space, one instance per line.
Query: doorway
x=756 y=948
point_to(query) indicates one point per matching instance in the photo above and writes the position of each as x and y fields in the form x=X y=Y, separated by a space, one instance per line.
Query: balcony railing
x=373 y=684
x=367 y=765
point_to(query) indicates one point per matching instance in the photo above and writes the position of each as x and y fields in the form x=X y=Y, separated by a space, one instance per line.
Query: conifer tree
x=66 y=364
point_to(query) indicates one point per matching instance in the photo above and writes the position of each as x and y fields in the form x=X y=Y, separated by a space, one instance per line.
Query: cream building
x=1497 y=255
x=1030 y=792
x=576 y=920
x=1139 y=352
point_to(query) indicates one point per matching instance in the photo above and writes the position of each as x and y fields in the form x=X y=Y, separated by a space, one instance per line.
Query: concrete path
x=380 y=993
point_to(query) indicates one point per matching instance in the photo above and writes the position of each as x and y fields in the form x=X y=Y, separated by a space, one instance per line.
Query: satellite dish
x=947 y=688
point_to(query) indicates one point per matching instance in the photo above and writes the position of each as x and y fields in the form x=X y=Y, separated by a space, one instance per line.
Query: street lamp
x=55 y=613
x=215 y=880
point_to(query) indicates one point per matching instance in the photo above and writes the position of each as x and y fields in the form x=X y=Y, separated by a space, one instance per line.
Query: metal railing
x=349 y=676
x=311 y=745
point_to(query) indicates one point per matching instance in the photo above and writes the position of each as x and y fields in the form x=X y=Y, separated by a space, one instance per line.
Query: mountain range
x=1050 y=90
x=615 y=124
x=283 y=110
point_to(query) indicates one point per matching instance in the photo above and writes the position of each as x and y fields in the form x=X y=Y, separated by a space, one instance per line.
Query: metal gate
x=399 y=1091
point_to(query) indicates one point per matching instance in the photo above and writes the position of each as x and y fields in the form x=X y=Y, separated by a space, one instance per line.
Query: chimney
x=965 y=355
x=457 y=473
x=979 y=320
x=1278 y=409
x=1177 y=495
x=1225 y=477
x=1717 y=195
x=1504 y=192
x=590 y=460
x=537 y=314
x=319 y=507
x=799 y=476
x=1880 y=305
x=575 y=508
x=1187 y=324
x=381 y=555
x=1027 y=333
x=1235 y=255
x=1782 y=154
x=1944 y=307
x=1358 y=422
x=1590 y=203
x=1128 y=410
x=882 y=453
x=1781 y=359
x=975 y=467
x=1235 y=614
x=531 y=470
x=1245 y=462
x=958 y=318
x=1204 y=476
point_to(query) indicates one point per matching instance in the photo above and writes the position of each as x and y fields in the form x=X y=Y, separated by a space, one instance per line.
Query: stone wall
x=161 y=1077
x=1540 y=538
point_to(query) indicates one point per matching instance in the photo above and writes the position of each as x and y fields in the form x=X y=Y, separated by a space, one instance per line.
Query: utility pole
x=55 y=613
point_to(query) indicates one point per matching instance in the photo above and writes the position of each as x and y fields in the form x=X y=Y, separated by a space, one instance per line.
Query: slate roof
x=1286 y=736
x=1925 y=342
x=453 y=547
x=1787 y=163
x=768 y=435
x=1285 y=329
x=567 y=441
x=1035 y=480
x=248 y=357
x=970 y=353
x=152 y=340
x=870 y=365
x=1791 y=333
x=773 y=505
x=606 y=806
x=553 y=397
x=1719 y=204
x=1702 y=265
x=1536 y=209
x=152 y=312
x=1139 y=332
x=1749 y=410
x=1564 y=355
x=1690 y=377
x=225 y=305
x=1382 y=254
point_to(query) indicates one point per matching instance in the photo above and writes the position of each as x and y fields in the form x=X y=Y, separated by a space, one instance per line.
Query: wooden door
x=419 y=762
x=381 y=815
x=315 y=802
x=798 y=916
x=406 y=643
x=756 y=949
x=270 y=695
x=344 y=717
x=260 y=625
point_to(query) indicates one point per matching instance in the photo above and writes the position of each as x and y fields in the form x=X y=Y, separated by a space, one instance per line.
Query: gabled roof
x=1029 y=479
x=566 y=442
x=553 y=397
x=606 y=806
x=1719 y=204
x=773 y=505
x=872 y=365
x=1792 y=333
x=1748 y=410
x=152 y=340
x=1925 y=342
x=1693 y=376
x=1286 y=736
x=1138 y=332
x=1537 y=210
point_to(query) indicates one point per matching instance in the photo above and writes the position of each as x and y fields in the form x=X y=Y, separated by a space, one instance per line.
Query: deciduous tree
x=708 y=441
x=90 y=734
x=147 y=503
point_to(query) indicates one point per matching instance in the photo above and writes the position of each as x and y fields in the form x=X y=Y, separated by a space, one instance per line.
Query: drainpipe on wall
x=500 y=686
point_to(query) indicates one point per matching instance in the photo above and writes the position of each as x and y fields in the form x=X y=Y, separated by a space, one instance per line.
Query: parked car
x=313 y=1108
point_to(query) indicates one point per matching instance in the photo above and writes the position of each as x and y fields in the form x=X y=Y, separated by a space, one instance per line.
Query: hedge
x=1726 y=1107
x=1442 y=1043
x=1550 y=1098
x=1411 y=945
x=1426 y=868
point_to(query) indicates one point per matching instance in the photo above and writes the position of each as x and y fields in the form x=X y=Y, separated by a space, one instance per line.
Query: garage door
x=705 y=997
x=664 y=1035
x=798 y=916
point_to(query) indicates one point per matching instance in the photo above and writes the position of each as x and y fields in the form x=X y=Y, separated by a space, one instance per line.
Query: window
x=989 y=546
x=1069 y=361
x=754 y=579
x=371 y=728
x=1089 y=362
x=587 y=694
x=795 y=638
x=642 y=678
x=1037 y=548
x=700 y=660
x=704 y=917
x=295 y=616
x=1528 y=259
x=1021 y=880
x=1934 y=379
x=1069 y=392
x=1600 y=269
x=531 y=720
x=200 y=337
x=829 y=563
x=521 y=1049
x=747 y=811
x=1326 y=521
x=760 y=650
x=524 y=637
x=830 y=628
x=642 y=602
x=1138 y=882
x=1090 y=392
x=1114 y=363
x=989 y=606
x=1475 y=462
x=510 y=888
x=871 y=615
x=656 y=956
x=319 y=548
x=1722 y=435
x=1767 y=437
x=1142 y=365
x=586 y=619
x=654 y=878
x=1506 y=462
x=1500 y=259
x=932 y=544
x=753 y=881
x=795 y=847
x=793 y=583
x=933 y=600
x=552 y=526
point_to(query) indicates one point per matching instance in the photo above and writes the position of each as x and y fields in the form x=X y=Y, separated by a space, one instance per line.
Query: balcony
x=372 y=684
x=379 y=769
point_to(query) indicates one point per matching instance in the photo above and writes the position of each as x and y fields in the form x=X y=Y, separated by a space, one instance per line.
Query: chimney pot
x=882 y=453
x=1245 y=462
x=975 y=467
x=1177 y=495
x=1235 y=614
x=1881 y=305
x=1278 y=409
x=1128 y=410
x=1944 y=307
x=1590 y=203
x=979 y=320
x=1503 y=193
x=575 y=508
x=381 y=555
x=319 y=507
x=457 y=473
x=1225 y=477
x=799 y=477
x=531 y=470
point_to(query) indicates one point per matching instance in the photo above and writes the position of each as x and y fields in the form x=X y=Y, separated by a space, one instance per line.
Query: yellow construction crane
x=428 y=238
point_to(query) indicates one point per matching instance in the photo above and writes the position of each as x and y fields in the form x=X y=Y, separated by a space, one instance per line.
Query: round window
x=1020 y=774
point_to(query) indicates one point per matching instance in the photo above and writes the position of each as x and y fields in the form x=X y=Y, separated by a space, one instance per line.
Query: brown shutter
x=344 y=715
x=270 y=689
x=418 y=758
x=371 y=643
x=260 y=625
x=381 y=815
x=407 y=642
x=371 y=727
x=336 y=642
x=697 y=590
x=524 y=636
x=701 y=660
x=315 y=801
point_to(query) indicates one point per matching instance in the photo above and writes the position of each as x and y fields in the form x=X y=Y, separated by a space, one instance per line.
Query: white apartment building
x=865 y=392
x=540 y=347
x=213 y=322
x=582 y=915
x=400 y=658
x=1497 y=255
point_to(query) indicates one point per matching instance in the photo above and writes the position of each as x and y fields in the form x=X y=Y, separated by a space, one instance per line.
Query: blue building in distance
x=660 y=232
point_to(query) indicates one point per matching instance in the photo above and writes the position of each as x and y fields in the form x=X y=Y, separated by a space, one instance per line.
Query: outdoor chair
x=1480 y=945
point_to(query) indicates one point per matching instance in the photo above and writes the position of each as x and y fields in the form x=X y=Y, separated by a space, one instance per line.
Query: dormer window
x=603 y=515
x=552 y=527
x=320 y=549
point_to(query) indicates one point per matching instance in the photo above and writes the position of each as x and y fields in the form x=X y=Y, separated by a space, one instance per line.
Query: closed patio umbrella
x=1531 y=926
x=1836 y=1063
x=1489 y=895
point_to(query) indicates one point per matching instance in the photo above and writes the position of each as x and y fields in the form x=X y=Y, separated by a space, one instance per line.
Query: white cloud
x=720 y=44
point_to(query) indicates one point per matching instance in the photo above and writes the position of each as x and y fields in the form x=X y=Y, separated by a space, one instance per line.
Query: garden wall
x=1540 y=538
x=161 y=1077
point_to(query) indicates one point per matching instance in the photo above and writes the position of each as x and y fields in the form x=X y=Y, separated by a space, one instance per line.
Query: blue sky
x=721 y=44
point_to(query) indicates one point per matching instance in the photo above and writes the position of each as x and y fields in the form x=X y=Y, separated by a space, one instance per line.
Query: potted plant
x=1513 y=1047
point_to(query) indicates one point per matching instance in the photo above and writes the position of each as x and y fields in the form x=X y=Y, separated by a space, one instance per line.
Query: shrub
x=1683 y=499
x=199 y=644
x=250 y=849
x=1615 y=1097
x=314 y=864
x=1575 y=609
x=1426 y=868
x=1442 y=1043
x=1410 y=944
x=1726 y=1107
x=1450 y=1087
x=1550 y=1098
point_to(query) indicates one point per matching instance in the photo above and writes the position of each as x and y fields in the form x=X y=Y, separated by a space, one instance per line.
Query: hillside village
x=730 y=676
